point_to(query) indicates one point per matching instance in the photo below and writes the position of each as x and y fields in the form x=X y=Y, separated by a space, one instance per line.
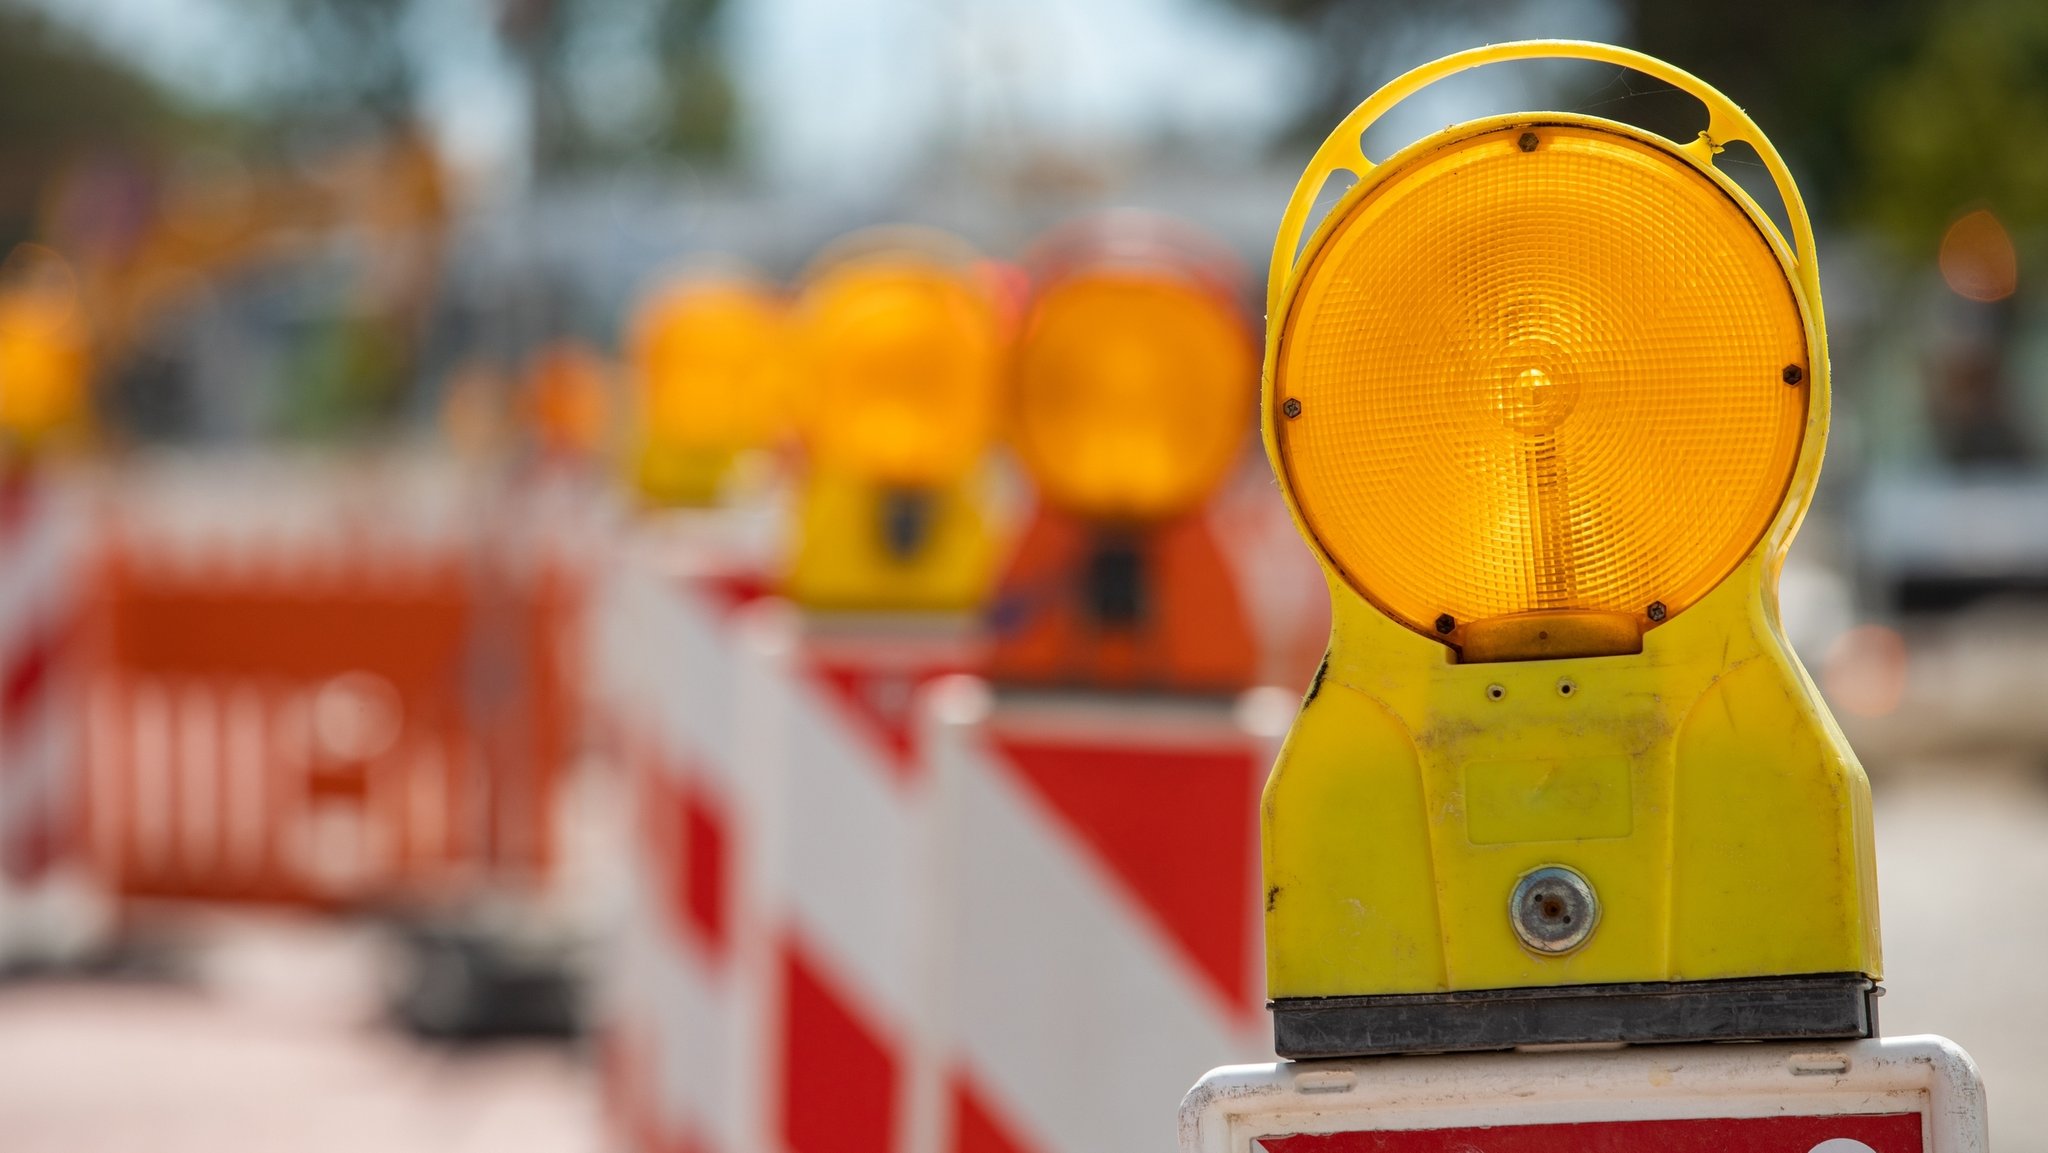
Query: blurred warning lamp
x=1133 y=390
x=1518 y=436
x=708 y=353
x=900 y=365
x=43 y=357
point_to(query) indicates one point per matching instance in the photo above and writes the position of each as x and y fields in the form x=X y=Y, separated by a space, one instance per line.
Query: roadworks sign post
x=1547 y=395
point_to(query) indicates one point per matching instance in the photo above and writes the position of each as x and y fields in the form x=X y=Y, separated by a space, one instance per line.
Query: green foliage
x=1896 y=114
x=1962 y=126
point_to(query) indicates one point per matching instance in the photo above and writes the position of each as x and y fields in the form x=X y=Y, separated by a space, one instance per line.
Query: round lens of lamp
x=708 y=358
x=901 y=362
x=1539 y=369
x=1133 y=393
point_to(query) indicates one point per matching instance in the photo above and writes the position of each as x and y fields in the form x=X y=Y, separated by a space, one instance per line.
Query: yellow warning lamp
x=899 y=361
x=1132 y=400
x=1547 y=395
x=708 y=352
x=1133 y=373
x=45 y=365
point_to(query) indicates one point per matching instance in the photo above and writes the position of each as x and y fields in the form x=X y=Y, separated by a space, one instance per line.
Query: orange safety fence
x=359 y=729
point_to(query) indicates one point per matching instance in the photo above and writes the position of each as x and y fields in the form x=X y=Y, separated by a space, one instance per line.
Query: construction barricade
x=887 y=907
x=347 y=688
x=51 y=910
x=336 y=721
x=666 y=623
x=1097 y=884
x=874 y=910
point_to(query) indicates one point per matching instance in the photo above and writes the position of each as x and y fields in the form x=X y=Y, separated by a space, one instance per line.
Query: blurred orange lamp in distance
x=899 y=370
x=44 y=362
x=568 y=402
x=1133 y=394
x=708 y=354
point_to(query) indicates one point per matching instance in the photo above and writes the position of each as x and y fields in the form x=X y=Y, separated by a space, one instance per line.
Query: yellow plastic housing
x=1130 y=387
x=843 y=563
x=1694 y=779
x=1568 y=351
x=901 y=362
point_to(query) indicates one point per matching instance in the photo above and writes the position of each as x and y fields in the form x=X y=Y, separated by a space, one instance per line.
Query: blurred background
x=323 y=353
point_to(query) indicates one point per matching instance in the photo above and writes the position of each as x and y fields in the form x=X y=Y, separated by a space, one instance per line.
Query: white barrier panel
x=847 y=933
x=51 y=908
x=1896 y=1095
x=1099 y=895
x=676 y=1006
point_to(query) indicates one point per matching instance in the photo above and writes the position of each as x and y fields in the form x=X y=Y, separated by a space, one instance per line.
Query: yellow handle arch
x=1727 y=123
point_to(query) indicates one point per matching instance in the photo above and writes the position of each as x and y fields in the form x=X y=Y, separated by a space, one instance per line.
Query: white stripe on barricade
x=846 y=928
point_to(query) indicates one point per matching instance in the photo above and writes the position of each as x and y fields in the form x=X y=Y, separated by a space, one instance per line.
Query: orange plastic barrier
x=365 y=729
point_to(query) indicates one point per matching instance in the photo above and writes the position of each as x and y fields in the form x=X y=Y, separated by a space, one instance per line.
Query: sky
x=859 y=94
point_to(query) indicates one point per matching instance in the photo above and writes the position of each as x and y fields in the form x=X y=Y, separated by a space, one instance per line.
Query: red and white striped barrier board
x=677 y=1007
x=850 y=933
x=50 y=907
x=1896 y=1095
x=875 y=916
x=1098 y=888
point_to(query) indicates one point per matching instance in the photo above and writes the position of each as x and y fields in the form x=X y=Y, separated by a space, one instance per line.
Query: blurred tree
x=1960 y=126
x=612 y=79
x=58 y=100
x=1806 y=69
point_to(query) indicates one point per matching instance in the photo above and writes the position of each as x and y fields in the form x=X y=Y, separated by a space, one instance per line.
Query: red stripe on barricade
x=1175 y=827
x=977 y=1127
x=26 y=677
x=1880 y=1132
x=687 y=840
x=706 y=847
x=880 y=702
x=730 y=592
x=839 y=1082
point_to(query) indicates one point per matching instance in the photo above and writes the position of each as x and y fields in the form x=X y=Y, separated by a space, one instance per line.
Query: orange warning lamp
x=1509 y=472
x=899 y=361
x=708 y=354
x=44 y=363
x=1134 y=381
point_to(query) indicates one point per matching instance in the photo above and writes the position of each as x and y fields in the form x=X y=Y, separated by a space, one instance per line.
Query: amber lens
x=1543 y=368
x=901 y=363
x=709 y=354
x=1134 y=393
x=41 y=363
